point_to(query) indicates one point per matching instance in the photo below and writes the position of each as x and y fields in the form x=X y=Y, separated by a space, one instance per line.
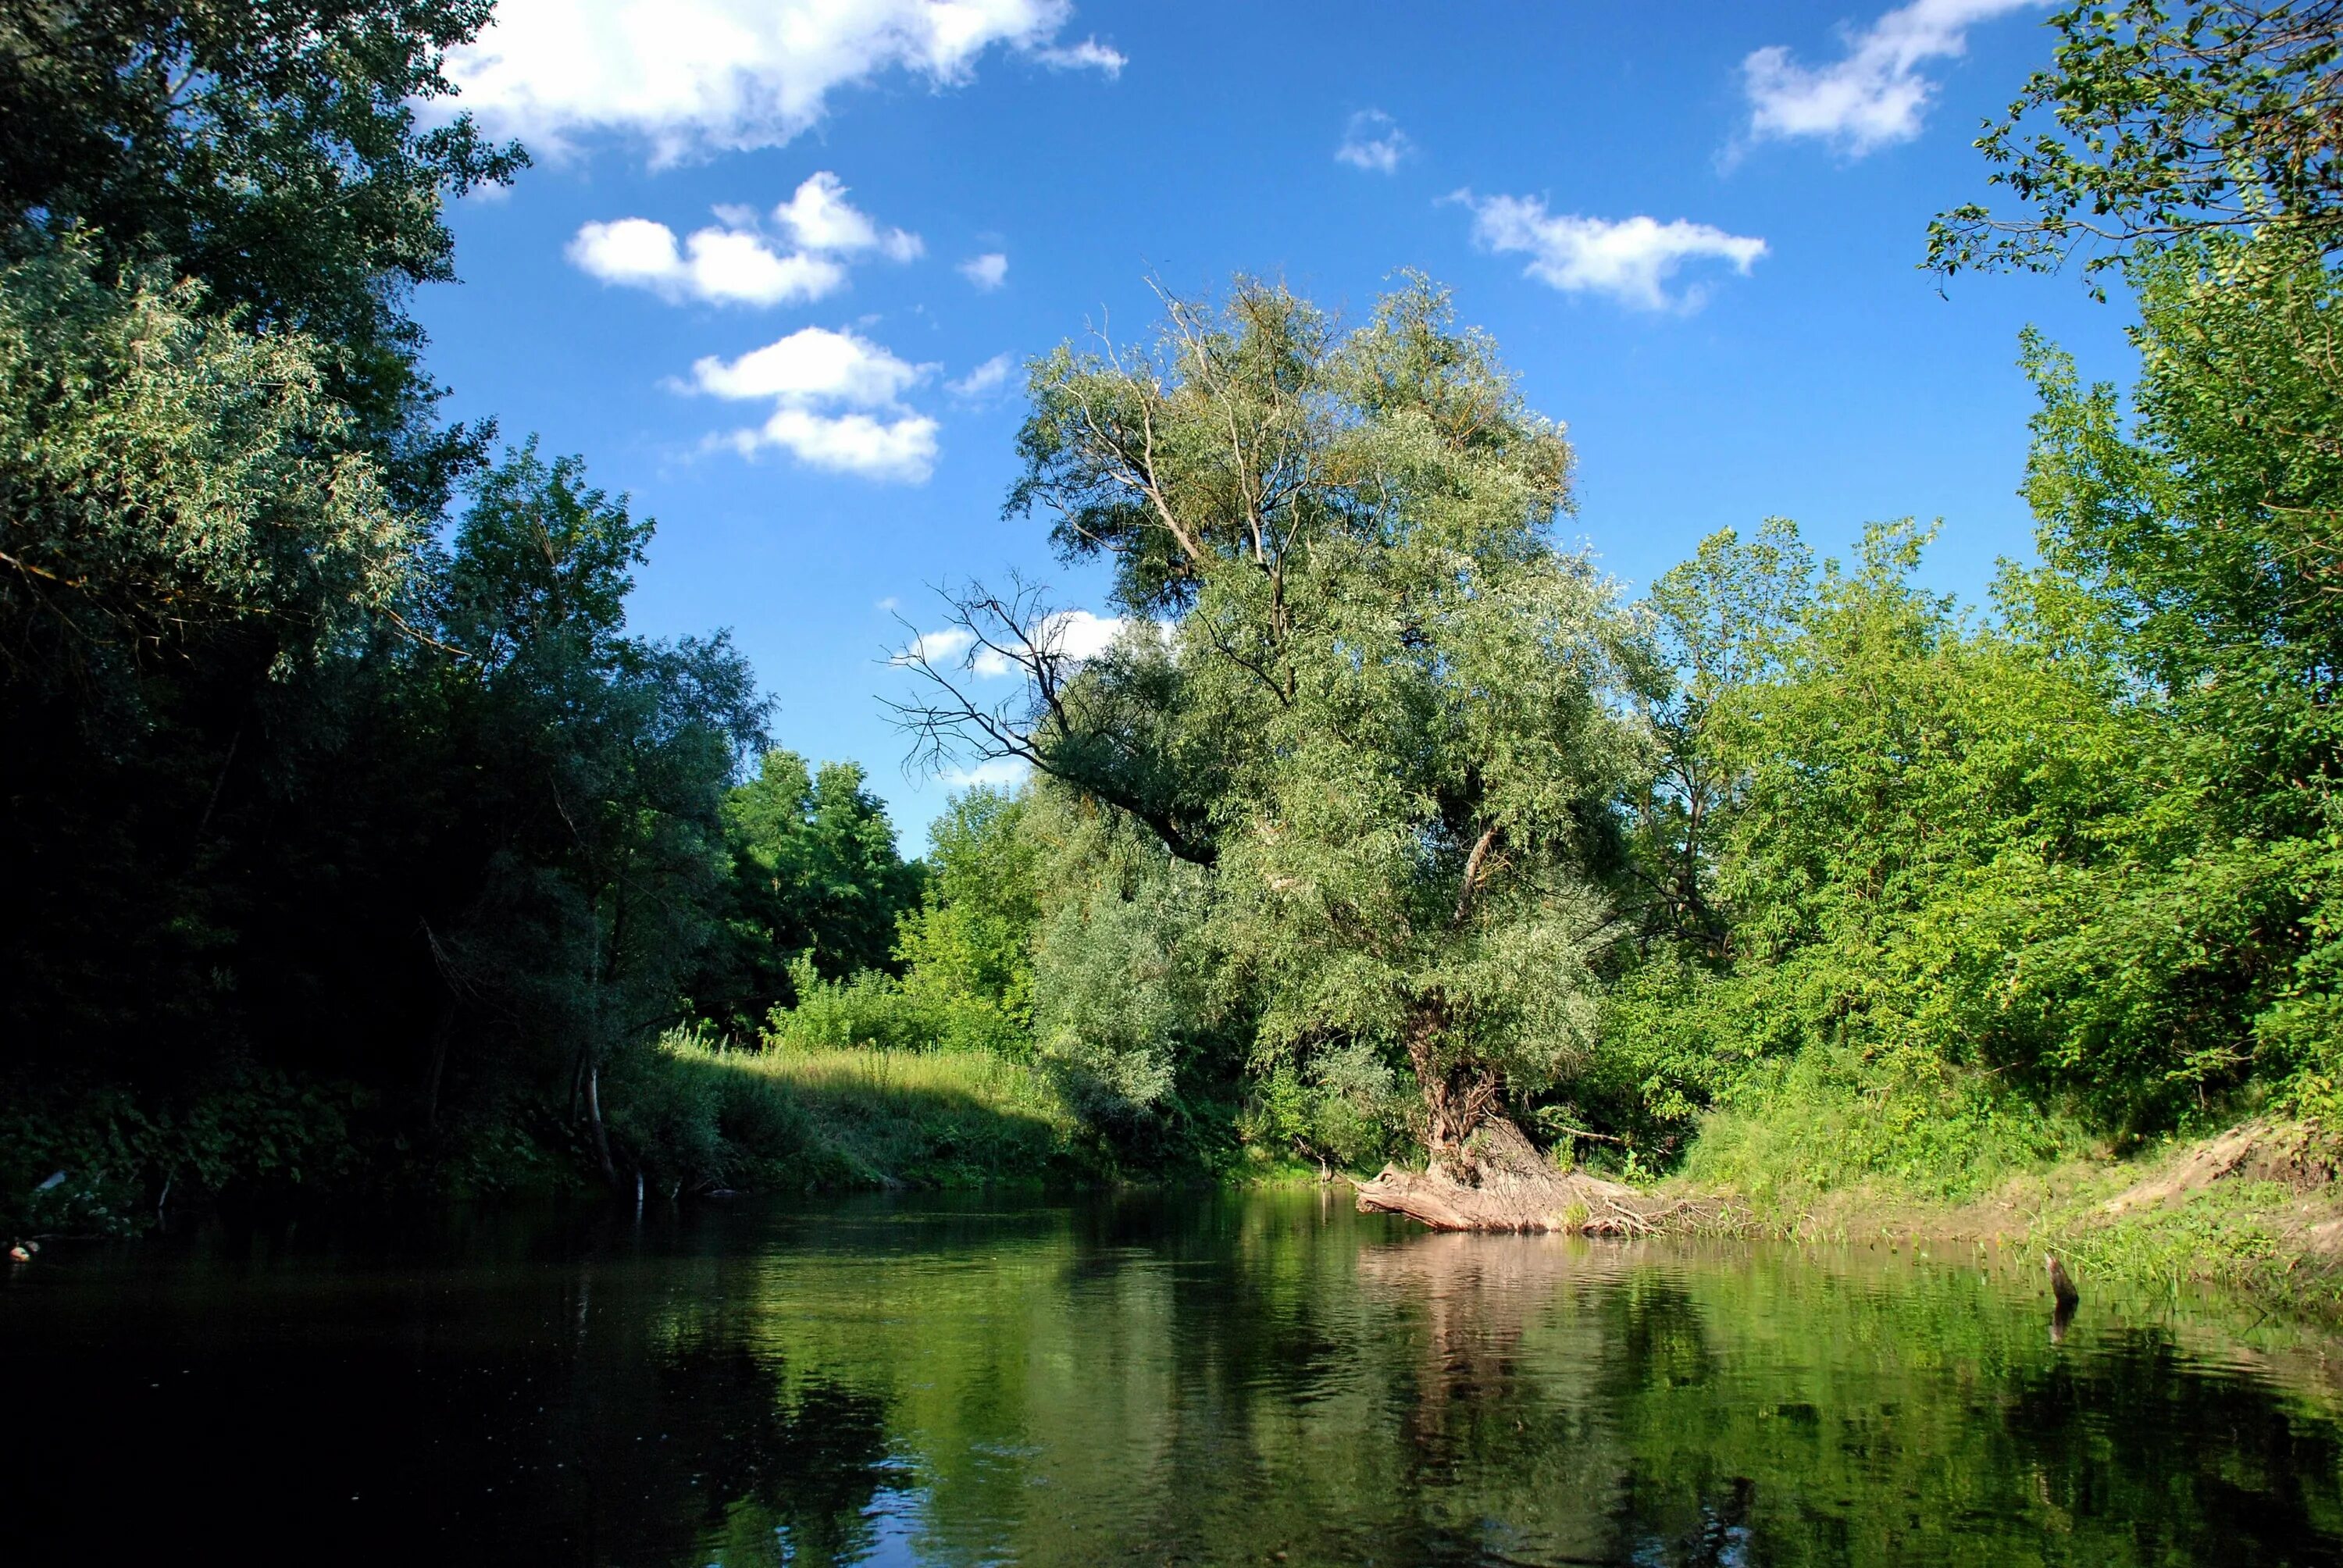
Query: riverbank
x=2257 y=1208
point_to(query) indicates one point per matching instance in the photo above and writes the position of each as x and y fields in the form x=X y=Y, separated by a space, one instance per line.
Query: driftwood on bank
x=1497 y=1181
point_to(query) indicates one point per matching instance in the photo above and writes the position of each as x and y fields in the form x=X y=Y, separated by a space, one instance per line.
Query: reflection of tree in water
x=516 y=1415
x=1847 y=1423
x=1503 y=1458
x=694 y=1446
x=637 y=1443
x=1213 y=1384
x=2118 y=1440
x=742 y=1459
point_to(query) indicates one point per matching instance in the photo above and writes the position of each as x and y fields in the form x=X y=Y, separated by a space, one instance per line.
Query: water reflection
x=1189 y=1381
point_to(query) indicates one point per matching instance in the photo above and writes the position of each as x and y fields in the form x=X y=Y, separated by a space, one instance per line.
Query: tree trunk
x=1483 y=1173
x=1495 y=1179
x=439 y=1067
x=594 y=1112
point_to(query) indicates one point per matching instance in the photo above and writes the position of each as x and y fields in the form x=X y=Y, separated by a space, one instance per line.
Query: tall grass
x=1903 y=1127
x=925 y=1119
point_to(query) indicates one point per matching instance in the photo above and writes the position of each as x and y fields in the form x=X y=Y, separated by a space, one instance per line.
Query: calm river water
x=1255 y=1379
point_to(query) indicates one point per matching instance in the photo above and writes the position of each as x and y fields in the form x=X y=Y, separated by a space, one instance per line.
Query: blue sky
x=778 y=258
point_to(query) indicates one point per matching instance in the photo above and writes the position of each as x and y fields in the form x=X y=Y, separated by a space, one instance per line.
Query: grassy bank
x=1834 y=1150
x=787 y=1119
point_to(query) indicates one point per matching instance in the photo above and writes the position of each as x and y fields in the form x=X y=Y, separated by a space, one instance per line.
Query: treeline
x=1385 y=816
x=353 y=839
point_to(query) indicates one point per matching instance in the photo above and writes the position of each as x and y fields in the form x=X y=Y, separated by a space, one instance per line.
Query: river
x=1261 y=1378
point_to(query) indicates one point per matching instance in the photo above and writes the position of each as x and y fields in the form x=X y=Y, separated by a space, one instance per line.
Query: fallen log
x=1499 y=1181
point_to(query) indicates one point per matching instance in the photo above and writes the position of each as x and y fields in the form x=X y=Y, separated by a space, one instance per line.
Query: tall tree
x=1360 y=690
x=602 y=765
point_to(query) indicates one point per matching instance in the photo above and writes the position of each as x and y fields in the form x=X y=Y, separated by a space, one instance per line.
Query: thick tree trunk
x=1495 y=1179
x=1483 y=1173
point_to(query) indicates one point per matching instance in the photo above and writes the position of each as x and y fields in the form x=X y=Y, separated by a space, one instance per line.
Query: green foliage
x=814 y=871
x=273 y=156
x=171 y=480
x=1110 y=1019
x=1362 y=701
x=1905 y=1126
x=603 y=816
x=245 y=1129
x=968 y=947
x=870 y=1010
x=2169 y=122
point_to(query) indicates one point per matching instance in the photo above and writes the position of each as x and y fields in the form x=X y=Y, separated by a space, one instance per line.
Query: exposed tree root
x=1497 y=1181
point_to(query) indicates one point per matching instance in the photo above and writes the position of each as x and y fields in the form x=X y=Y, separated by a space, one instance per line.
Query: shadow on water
x=1188 y=1379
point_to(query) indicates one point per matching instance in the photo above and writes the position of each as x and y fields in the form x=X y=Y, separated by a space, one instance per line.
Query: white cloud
x=1875 y=94
x=936 y=647
x=1090 y=55
x=812 y=364
x=819 y=217
x=1373 y=141
x=984 y=378
x=988 y=271
x=1075 y=634
x=694 y=77
x=808 y=375
x=719 y=266
x=735 y=265
x=902 y=449
x=1630 y=259
x=1000 y=772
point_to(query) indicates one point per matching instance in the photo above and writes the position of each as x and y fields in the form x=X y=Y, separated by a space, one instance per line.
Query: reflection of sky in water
x=1183 y=1379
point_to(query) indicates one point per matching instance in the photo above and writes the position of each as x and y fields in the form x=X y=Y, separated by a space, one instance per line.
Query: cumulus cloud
x=812 y=364
x=984 y=378
x=1074 y=634
x=1373 y=141
x=835 y=404
x=988 y=271
x=695 y=76
x=1875 y=94
x=937 y=647
x=718 y=266
x=1630 y=259
x=737 y=265
x=820 y=218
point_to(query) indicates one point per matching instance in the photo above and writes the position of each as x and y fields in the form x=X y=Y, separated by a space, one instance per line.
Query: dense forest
x=354 y=844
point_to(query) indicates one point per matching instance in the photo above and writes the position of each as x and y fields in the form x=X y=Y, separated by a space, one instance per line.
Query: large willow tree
x=1358 y=687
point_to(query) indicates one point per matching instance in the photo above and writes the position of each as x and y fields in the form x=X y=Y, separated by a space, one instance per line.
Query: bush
x=246 y=1128
x=870 y=1010
x=1907 y=1124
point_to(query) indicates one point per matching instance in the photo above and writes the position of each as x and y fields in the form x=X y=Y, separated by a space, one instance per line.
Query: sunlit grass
x=898 y=1075
x=945 y=1119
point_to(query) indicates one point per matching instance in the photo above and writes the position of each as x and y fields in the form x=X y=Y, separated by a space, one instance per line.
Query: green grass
x=1910 y=1129
x=1833 y=1148
x=919 y=1118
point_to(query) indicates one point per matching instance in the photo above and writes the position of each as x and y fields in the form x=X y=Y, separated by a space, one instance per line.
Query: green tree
x=815 y=872
x=2166 y=123
x=1360 y=690
x=605 y=761
x=1713 y=627
x=967 y=948
x=274 y=154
